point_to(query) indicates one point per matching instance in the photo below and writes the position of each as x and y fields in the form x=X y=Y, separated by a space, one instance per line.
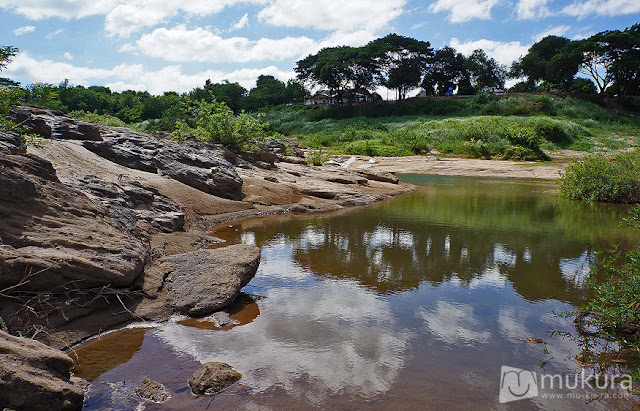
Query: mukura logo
x=517 y=384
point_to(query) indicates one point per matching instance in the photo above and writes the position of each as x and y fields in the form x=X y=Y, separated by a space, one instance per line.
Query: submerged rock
x=53 y=236
x=201 y=282
x=153 y=391
x=212 y=378
x=34 y=376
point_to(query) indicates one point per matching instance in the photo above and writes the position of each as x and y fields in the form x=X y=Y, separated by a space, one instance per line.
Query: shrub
x=616 y=299
x=215 y=121
x=598 y=177
x=95 y=118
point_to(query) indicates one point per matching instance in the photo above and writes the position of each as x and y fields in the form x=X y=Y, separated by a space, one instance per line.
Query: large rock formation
x=54 y=124
x=53 y=236
x=34 y=376
x=11 y=143
x=205 y=166
x=201 y=282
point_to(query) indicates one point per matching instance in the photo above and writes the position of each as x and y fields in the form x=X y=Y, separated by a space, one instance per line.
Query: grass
x=615 y=283
x=602 y=177
x=100 y=119
x=521 y=127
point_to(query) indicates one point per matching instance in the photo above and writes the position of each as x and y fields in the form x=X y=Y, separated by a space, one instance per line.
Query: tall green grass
x=600 y=177
x=518 y=138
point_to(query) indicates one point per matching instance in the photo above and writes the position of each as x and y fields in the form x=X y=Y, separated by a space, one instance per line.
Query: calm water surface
x=413 y=303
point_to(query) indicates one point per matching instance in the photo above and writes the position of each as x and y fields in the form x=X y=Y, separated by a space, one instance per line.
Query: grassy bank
x=519 y=127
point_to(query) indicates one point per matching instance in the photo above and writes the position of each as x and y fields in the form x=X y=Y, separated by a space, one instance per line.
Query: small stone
x=212 y=378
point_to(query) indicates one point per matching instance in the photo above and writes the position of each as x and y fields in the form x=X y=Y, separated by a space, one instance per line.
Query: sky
x=160 y=45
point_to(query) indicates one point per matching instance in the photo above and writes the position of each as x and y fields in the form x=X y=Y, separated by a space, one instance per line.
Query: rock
x=58 y=234
x=11 y=143
x=212 y=378
x=201 y=282
x=54 y=124
x=293 y=160
x=384 y=177
x=153 y=391
x=129 y=202
x=34 y=376
x=131 y=151
x=201 y=169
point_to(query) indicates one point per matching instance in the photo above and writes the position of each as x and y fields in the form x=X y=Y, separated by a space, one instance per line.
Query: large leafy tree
x=612 y=58
x=400 y=62
x=339 y=68
x=447 y=70
x=536 y=64
x=485 y=71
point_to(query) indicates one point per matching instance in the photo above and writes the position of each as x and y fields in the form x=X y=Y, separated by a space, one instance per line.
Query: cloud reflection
x=331 y=338
x=454 y=323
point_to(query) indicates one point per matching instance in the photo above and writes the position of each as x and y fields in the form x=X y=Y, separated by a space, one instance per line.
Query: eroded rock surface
x=153 y=391
x=57 y=232
x=201 y=282
x=130 y=203
x=34 y=376
x=10 y=143
x=54 y=124
x=212 y=378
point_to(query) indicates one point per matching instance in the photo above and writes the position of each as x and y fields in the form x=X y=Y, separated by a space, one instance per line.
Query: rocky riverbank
x=101 y=226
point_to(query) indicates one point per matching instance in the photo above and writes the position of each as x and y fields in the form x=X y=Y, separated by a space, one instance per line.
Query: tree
x=400 y=62
x=42 y=93
x=484 y=71
x=269 y=91
x=537 y=65
x=339 y=68
x=7 y=53
x=446 y=70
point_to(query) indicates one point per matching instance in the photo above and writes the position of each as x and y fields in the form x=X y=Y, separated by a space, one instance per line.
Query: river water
x=413 y=303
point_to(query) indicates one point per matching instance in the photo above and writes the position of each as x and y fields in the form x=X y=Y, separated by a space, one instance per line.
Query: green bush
x=616 y=298
x=599 y=177
x=215 y=121
x=375 y=148
x=95 y=118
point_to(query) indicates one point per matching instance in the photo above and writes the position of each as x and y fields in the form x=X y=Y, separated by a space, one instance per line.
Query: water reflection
x=474 y=231
x=411 y=303
x=313 y=341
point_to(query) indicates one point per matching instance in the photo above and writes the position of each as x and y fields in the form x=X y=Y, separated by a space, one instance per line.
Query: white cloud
x=68 y=56
x=465 y=10
x=532 y=9
x=454 y=324
x=243 y=22
x=131 y=16
x=181 y=44
x=23 y=30
x=342 y=15
x=503 y=52
x=54 y=33
x=169 y=78
x=602 y=8
x=552 y=31
x=67 y=9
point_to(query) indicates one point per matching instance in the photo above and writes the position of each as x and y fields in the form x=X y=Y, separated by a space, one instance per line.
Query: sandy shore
x=456 y=166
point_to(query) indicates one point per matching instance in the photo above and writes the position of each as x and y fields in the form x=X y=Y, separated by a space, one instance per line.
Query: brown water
x=413 y=303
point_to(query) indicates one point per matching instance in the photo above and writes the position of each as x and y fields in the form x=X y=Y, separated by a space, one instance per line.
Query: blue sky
x=159 y=45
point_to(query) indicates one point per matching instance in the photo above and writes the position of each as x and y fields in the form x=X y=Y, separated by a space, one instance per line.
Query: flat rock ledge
x=34 y=376
x=201 y=282
x=212 y=378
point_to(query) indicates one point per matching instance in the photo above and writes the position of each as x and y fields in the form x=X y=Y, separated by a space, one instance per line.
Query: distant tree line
x=608 y=62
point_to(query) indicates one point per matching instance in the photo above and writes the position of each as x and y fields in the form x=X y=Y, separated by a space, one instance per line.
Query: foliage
x=317 y=157
x=600 y=177
x=42 y=94
x=215 y=121
x=95 y=118
x=616 y=299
